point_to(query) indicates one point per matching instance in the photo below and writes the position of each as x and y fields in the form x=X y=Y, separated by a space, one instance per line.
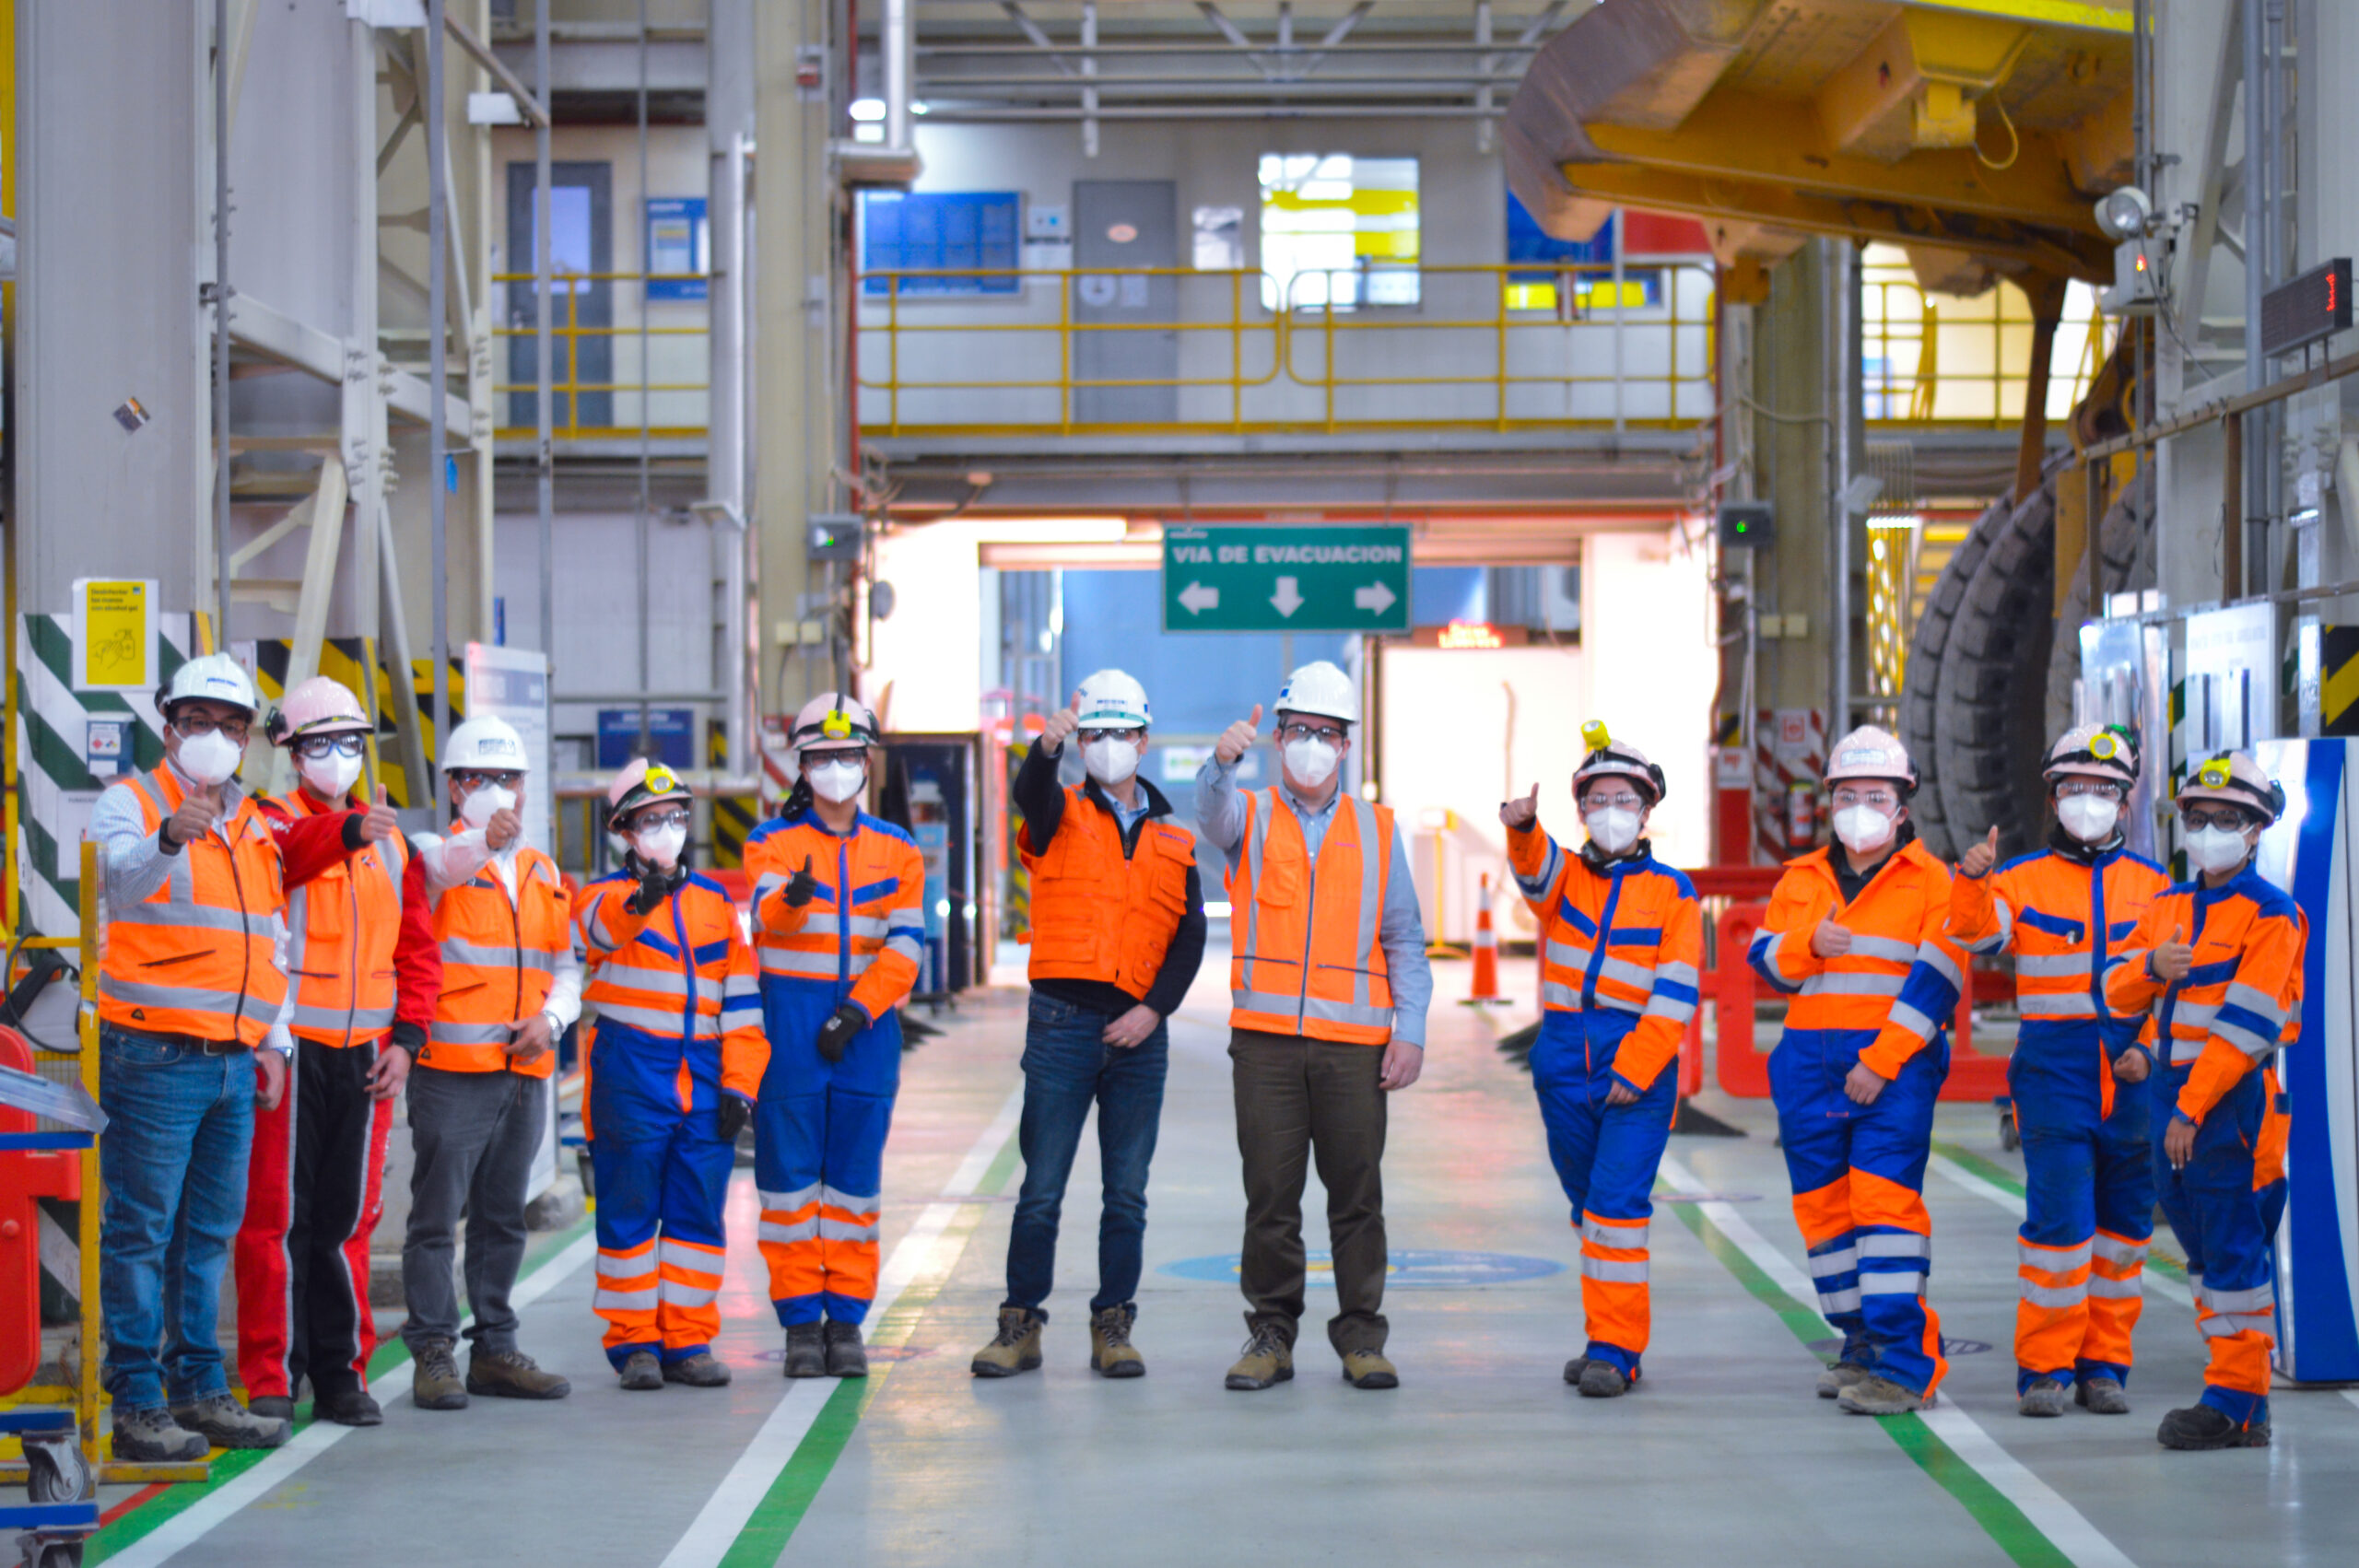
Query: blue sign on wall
x=946 y=229
x=671 y=736
x=678 y=245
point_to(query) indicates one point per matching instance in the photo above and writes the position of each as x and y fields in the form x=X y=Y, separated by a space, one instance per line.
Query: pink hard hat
x=833 y=722
x=1869 y=751
x=1608 y=756
x=641 y=784
x=2236 y=778
x=2094 y=751
x=316 y=707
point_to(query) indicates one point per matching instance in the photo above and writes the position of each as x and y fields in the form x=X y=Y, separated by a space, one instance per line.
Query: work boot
x=226 y=1423
x=1368 y=1369
x=272 y=1407
x=2045 y=1396
x=152 y=1436
x=1603 y=1380
x=1876 y=1396
x=345 y=1406
x=436 y=1385
x=2101 y=1397
x=847 y=1357
x=641 y=1372
x=512 y=1375
x=1111 y=1354
x=1574 y=1368
x=1841 y=1376
x=1016 y=1347
x=2201 y=1426
x=1267 y=1359
x=806 y=1351
x=698 y=1371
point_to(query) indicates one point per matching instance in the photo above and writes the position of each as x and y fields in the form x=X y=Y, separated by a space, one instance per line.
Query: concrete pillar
x=1791 y=436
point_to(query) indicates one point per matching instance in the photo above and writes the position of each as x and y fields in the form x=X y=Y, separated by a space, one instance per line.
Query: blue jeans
x=1067 y=1065
x=180 y=1125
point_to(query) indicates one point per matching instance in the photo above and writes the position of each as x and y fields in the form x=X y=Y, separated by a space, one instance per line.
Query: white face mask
x=1610 y=828
x=1110 y=762
x=2088 y=818
x=1863 y=828
x=2216 y=850
x=486 y=804
x=210 y=759
x=1311 y=762
x=331 y=776
x=662 y=846
x=837 y=781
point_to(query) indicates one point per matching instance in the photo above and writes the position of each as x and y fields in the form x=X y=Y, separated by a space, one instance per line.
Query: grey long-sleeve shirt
x=1400 y=930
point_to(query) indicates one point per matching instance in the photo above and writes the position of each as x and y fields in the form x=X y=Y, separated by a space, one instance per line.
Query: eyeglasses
x=1091 y=737
x=473 y=779
x=1286 y=732
x=2096 y=786
x=2195 y=819
x=1624 y=802
x=1881 y=800
x=195 y=726
x=317 y=748
x=653 y=821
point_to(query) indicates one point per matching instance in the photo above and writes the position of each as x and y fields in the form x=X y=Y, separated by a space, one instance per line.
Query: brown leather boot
x=436 y=1385
x=1111 y=1354
x=1267 y=1359
x=1016 y=1348
x=512 y=1375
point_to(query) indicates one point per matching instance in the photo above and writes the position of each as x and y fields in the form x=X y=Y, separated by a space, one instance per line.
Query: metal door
x=582 y=240
x=1120 y=227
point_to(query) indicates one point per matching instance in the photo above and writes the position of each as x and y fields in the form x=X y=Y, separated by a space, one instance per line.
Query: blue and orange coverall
x=1619 y=944
x=2089 y=1175
x=2216 y=1031
x=819 y=1127
x=1859 y=1171
x=679 y=1025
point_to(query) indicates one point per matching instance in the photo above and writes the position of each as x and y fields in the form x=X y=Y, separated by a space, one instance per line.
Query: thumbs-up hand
x=1830 y=941
x=1519 y=815
x=2171 y=960
x=379 y=824
x=1978 y=858
x=1238 y=737
x=1061 y=724
x=194 y=817
x=802 y=887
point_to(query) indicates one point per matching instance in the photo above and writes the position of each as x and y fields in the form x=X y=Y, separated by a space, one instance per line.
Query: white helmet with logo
x=1112 y=700
x=487 y=744
x=1869 y=751
x=211 y=677
x=1321 y=688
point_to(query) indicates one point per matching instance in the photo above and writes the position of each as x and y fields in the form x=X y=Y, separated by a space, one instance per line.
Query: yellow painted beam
x=2104 y=16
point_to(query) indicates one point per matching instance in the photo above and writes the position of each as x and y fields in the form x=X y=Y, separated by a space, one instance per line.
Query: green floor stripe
x=2003 y=1522
x=781 y=1509
x=2007 y=1181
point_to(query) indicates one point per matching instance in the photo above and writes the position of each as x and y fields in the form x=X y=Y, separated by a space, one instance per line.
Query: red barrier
x=25 y=1175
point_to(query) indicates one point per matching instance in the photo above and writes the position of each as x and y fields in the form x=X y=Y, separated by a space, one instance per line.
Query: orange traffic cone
x=1487 y=954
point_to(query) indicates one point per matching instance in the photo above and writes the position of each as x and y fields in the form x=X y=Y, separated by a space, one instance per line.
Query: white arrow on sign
x=1375 y=597
x=1196 y=598
x=1289 y=598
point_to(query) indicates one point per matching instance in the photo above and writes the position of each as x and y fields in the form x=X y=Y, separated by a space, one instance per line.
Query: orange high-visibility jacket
x=681 y=979
x=200 y=954
x=2239 y=1000
x=1622 y=945
x=1097 y=914
x=1307 y=960
x=499 y=964
x=1861 y=1001
x=342 y=928
x=864 y=929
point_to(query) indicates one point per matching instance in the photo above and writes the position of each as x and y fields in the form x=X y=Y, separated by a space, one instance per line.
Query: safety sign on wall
x=1312 y=578
x=114 y=635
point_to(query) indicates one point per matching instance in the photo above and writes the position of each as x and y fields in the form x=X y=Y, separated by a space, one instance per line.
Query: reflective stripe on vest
x=1272 y=992
x=347 y=994
x=499 y=959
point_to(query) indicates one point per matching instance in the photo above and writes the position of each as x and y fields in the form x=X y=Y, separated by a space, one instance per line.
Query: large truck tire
x=1919 y=687
x=2126 y=540
x=1990 y=713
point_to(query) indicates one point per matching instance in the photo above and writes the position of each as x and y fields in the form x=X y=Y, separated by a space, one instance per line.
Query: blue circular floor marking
x=1428 y=1270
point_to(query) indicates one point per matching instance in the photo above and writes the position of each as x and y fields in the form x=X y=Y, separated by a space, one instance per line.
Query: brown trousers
x=1297 y=1098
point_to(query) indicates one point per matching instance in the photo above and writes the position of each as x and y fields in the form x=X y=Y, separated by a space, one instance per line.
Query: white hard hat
x=1871 y=753
x=489 y=744
x=833 y=722
x=1112 y=700
x=1609 y=757
x=214 y=677
x=1322 y=689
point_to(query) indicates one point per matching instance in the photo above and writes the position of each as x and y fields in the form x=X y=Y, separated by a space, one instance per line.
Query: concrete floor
x=1482 y=1454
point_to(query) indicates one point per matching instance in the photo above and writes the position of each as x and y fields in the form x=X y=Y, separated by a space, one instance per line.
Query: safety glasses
x=655 y=821
x=318 y=748
x=1091 y=737
x=2195 y=819
x=1290 y=732
x=2068 y=787
x=474 y=779
x=194 y=726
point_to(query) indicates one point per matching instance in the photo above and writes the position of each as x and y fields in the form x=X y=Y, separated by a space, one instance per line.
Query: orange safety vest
x=1098 y=914
x=499 y=964
x=342 y=928
x=199 y=955
x=1308 y=961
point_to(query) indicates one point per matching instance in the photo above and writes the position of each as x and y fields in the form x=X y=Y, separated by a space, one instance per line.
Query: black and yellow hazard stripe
x=2339 y=680
x=732 y=815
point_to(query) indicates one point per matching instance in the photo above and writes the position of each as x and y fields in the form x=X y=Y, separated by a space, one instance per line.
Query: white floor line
x=184 y=1530
x=726 y=1514
x=2351 y=1394
x=1949 y=1170
x=2041 y=1504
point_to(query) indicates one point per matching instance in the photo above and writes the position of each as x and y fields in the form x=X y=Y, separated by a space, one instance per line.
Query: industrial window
x=915 y=233
x=1338 y=231
x=1584 y=267
x=1219 y=240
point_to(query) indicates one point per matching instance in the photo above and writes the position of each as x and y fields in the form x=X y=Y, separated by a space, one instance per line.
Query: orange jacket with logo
x=1307 y=960
x=1098 y=914
x=499 y=963
x=360 y=943
x=1888 y=997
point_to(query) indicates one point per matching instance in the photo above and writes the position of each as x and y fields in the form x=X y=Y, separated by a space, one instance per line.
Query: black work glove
x=802 y=887
x=836 y=1034
x=733 y=1116
x=655 y=882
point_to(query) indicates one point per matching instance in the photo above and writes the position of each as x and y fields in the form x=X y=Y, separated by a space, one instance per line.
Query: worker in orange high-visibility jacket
x=1854 y=934
x=363 y=976
x=2217 y=962
x=676 y=1059
x=839 y=927
x=2077 y=1077
x=1620 y=937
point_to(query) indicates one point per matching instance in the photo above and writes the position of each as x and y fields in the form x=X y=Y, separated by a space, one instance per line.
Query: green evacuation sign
x=1313 y=578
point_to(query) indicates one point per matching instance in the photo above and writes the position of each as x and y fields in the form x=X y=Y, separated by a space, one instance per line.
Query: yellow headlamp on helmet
x=837 y=725
x=1595 y=736
x=2214 y=774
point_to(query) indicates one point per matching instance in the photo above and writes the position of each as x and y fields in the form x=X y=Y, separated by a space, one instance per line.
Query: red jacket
x=310 y=844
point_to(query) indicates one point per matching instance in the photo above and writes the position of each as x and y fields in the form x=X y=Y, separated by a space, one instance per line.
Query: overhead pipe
x=947 y=114
x=544 y=306
x=221 y=67
x=437 y=266
x=895 y=162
